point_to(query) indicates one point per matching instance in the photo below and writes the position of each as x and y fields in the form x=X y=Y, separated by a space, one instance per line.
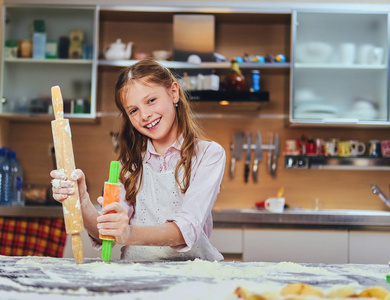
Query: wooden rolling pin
x=65 y=162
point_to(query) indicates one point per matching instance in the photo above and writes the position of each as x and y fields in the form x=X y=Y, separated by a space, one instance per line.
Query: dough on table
x=343 y=292
x=301 y=289
x=374 y=292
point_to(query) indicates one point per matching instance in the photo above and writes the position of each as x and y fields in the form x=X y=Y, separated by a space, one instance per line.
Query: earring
x=176 y=104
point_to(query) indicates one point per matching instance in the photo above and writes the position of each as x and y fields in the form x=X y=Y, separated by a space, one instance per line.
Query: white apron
x=158 y=200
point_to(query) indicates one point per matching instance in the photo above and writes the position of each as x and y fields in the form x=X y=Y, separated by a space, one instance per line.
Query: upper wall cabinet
x=183 y=33
x=44 y=46
x=340 y=70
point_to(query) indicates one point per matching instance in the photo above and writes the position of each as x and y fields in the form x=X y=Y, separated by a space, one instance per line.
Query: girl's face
x=151 y=109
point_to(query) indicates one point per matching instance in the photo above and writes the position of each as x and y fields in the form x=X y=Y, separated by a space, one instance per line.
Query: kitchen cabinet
x=229 y=240
x=340 y=68
x=369 y=247
x=150 y=31
x=26 y=82
x=296 y=245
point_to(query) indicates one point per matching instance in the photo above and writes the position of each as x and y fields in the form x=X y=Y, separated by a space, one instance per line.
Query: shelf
x=336 y=162
x=49 y=61
x=230 y=96
x=204 y=65
x=41 y=117
x=339 y=66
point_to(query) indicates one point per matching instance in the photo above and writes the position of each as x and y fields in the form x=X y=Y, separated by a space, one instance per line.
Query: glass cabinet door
x=339 y=68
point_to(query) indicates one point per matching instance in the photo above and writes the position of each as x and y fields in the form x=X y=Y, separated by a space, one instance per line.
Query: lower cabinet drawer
x=300 y=246
x=227 y=240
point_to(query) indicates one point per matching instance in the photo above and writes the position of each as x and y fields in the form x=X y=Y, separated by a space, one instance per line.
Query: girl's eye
x=133 y=111
x=152 y=100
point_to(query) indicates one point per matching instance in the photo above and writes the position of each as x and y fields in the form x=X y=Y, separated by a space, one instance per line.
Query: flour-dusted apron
x=158 y=200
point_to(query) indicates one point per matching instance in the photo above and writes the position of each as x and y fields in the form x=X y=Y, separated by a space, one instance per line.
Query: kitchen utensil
x=118 y=50
x=347 y=53
x=280 y=192
x=258 y=156
x=248 y=157
x=274 y=205
x=313 y=52
x=385 y=147
x=161 y=54
x=374 y=148
x=269 y=162
x=275 y=155
x=238 y=151
x=112 y=193
x=65 y=161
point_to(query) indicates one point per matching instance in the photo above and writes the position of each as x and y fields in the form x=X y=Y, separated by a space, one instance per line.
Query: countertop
x=32 y=211
x=302 y=217
x=249 y=217
x=47 y=278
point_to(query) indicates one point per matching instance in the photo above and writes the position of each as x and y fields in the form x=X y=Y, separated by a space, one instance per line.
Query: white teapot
x=118 y=50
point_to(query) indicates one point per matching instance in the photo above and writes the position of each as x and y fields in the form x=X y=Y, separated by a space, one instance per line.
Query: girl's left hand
x=115 y=223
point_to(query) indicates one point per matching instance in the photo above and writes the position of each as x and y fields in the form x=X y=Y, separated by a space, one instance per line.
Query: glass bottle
x=235 y=81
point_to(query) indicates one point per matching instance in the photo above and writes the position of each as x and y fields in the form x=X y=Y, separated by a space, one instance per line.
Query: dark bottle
x=235 y=81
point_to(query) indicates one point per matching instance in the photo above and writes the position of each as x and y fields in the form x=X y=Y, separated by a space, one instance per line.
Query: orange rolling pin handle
x=111 y=194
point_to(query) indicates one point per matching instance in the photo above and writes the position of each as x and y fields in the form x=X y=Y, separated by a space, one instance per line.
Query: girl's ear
x=175 y=92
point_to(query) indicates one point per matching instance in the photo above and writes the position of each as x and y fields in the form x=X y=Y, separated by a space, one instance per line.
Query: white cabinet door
x=227 y=240
x=369 y=247
x=340 y=67
x=300 y=246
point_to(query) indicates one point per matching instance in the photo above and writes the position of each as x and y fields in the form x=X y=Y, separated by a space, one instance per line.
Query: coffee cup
x=292 y=147
x=357 y=148
x=374 y=148
x=385 y=147
x=344 y=148
x=311 y=147
x=274 y=205
x=330 y=148
x=347 y=53
x=377 y=55
x=365 y=54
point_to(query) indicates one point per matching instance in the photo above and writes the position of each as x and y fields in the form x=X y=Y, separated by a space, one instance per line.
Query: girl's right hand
x=62 y=187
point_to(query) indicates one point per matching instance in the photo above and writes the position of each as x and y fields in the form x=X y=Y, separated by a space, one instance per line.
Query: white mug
x=377 y=55
x=274 y=205
x=347 y=53
x=357 y=148
x=365 y=54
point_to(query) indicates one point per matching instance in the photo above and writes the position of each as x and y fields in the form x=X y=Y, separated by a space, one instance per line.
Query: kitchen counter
x=47 y=278
x=32 y=211
x=339 y=218
x=251 y=217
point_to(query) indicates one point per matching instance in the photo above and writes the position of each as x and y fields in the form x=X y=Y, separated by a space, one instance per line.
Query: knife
x=248 y=156
x=269 y=160
x=258 y=156
x=238 y=151
x=275 y=155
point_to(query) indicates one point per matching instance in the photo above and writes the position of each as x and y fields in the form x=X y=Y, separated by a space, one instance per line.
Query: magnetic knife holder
x=268 y=147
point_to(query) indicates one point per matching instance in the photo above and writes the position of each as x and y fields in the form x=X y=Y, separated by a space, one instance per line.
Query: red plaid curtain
x=32 y=236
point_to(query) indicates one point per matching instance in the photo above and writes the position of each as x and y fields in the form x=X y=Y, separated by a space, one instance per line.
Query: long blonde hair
x=132 y=144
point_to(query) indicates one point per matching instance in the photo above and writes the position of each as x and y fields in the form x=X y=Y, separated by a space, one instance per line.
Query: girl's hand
x=115 y=223
x=62 y=187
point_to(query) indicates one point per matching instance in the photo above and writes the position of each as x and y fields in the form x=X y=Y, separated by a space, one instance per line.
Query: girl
x=171 y=177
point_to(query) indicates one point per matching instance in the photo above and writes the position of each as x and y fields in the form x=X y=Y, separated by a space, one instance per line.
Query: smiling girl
x=171 y=176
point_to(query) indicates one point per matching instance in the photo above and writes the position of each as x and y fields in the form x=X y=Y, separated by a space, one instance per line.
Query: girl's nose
x=146 y=114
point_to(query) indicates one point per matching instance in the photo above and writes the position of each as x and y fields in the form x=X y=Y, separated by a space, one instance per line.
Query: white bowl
x=161 y=54
x=313 y=52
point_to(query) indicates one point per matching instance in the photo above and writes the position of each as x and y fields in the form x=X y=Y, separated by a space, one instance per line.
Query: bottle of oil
x=235 y=81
